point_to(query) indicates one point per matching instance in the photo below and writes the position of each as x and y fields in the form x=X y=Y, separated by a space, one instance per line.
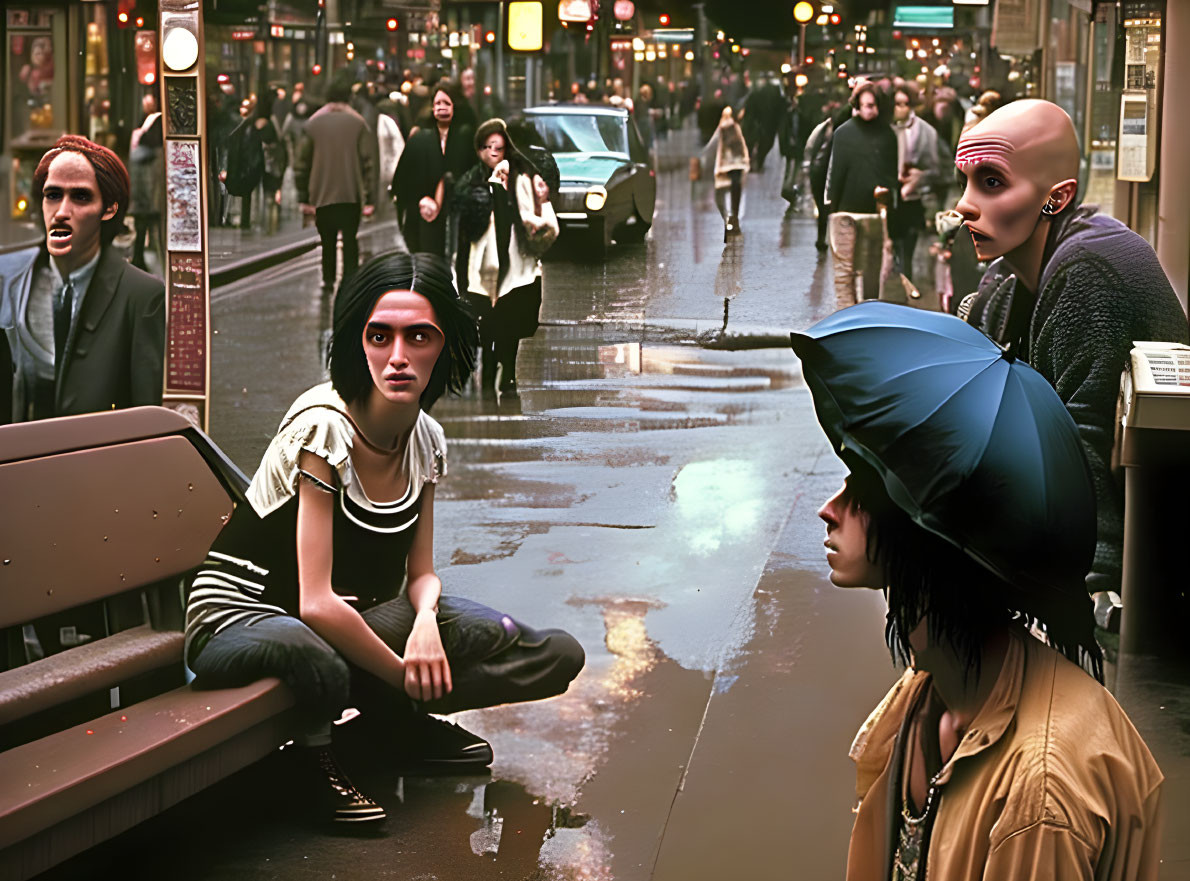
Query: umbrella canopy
x=972 y=444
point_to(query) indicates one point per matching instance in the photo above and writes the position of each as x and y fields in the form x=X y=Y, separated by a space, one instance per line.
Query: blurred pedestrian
x=998 y=754
x=643 y=115
x=294 y=128
x=789 y=143
x=390 y=142
x=314 y=582
x=146 y=204
x=863 y=157
x=917 y=161
x=818 y=157
x=334 y=175
x=506 y=224
x=276 y=158
x=730 y=154
x=761 y=117
x=244 y=168
x=465 y=112
x=434 y=160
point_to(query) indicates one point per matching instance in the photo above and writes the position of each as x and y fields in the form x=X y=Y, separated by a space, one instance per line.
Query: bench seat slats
x=94 y=666
x=50 y=780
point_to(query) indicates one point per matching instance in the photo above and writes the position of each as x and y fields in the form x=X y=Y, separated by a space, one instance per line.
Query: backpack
x=245 y=159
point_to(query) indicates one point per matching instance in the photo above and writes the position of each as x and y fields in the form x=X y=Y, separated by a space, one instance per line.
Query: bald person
x=1068 y=289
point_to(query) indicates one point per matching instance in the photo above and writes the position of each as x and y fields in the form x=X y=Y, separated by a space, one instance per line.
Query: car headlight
x=596 y=197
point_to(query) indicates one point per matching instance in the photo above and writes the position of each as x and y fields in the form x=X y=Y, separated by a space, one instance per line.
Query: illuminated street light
x=803 y=12
x=801 y=80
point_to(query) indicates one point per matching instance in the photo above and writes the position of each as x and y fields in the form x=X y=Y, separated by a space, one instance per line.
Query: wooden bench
x=113 y=509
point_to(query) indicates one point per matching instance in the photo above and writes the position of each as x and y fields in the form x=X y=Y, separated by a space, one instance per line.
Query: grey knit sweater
x=1101 y=287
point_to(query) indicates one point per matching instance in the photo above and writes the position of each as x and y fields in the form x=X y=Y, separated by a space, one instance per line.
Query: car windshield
x=583 y=133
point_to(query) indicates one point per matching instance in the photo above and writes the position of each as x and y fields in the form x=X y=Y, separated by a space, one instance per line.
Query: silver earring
x=1050 y=207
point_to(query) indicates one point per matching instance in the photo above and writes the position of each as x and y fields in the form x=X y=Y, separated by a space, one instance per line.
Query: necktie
x=63 y=310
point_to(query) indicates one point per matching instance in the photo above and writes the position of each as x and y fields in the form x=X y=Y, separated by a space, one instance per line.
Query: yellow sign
x=525 y=25
x=803 y=12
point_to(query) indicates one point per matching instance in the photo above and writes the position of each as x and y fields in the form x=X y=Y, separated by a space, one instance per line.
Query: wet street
x=653 y=491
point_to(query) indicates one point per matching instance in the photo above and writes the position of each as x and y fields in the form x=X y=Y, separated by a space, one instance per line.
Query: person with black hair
x=863 y=157
x=998 y=754
x=433 y=161
x=506 y=222
x=335 y=178
x=325 y=578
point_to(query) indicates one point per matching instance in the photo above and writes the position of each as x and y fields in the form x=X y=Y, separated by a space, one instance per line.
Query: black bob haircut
x=424 y=274
x=928 y=577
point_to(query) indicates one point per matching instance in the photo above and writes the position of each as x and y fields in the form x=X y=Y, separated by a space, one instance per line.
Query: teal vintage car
x=608 y=183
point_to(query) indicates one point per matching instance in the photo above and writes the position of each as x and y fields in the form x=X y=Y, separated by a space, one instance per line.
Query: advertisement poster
x=186 y=343
x=185 y=206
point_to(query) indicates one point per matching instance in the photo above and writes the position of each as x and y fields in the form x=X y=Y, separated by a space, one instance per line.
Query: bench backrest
x=97 y=505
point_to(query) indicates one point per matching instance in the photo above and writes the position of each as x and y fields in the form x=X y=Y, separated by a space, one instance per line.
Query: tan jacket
x=1051 y=782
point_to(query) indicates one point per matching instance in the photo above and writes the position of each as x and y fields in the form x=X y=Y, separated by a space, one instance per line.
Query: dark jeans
x=493 y=660
x=910 y=220
x=503 y=326
x=342 y=217
x=143 y=226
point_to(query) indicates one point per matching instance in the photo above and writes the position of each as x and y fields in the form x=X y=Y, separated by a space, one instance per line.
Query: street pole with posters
x=187 y=292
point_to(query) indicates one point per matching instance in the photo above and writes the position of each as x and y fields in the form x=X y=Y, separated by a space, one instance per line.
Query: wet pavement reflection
x=652 y=490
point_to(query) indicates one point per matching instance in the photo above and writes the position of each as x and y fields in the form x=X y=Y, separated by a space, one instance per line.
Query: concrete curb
x=235 y=270
x=689 y=333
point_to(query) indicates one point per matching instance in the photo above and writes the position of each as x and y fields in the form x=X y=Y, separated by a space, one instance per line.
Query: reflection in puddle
x=721 y=500
x=558 y=747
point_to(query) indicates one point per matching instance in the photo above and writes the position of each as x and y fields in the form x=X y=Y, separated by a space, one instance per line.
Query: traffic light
x=125 y=13
x=663 y=20
x=392 y=24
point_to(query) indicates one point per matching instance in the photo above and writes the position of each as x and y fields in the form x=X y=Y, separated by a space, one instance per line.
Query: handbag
x=538 y=239
x=695 y=169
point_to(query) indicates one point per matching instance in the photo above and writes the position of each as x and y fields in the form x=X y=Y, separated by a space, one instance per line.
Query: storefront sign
x=574 y=10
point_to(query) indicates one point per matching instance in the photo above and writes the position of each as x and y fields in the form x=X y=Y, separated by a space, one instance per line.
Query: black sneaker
x=342 y=802
x=434 y=742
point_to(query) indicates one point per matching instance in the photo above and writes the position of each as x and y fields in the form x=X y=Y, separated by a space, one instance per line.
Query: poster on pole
x=182 y=169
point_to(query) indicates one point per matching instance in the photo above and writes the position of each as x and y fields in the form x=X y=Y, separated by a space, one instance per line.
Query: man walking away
x=334 y=175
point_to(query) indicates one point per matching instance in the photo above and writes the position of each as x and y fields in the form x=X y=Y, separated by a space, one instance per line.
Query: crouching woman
x=326 y=579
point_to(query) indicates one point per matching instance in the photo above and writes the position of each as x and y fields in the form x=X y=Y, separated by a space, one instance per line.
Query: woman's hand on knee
x=427 y=672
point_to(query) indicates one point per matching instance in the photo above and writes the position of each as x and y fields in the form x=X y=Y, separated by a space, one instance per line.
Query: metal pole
x=700 y=36
x=801 y=45
x=187 y=289
x=501 y=74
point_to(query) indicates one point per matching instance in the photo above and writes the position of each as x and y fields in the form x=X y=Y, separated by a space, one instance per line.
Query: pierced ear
x=110 y=211
x=1061 y=195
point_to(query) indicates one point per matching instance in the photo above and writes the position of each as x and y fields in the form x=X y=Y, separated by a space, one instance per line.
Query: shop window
x=36 y=68
x=97 y=104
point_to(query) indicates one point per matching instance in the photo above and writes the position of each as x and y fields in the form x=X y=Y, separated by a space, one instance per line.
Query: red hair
x=110 y=174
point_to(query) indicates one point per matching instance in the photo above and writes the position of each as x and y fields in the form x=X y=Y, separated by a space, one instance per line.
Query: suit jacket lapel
x=98 y=297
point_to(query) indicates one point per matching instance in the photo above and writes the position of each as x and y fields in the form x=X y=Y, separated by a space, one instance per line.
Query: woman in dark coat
x=433 y=160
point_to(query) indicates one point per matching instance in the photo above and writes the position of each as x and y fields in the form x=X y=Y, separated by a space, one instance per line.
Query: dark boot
x=341 y=802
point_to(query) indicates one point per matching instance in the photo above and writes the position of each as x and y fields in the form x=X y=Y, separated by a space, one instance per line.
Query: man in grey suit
x=86 y=328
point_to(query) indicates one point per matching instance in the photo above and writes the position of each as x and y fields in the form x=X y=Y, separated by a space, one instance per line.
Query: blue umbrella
x=972 y=444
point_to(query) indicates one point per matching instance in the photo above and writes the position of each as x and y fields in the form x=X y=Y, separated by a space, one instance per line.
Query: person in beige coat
x=506 y=222
x=730 y=153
